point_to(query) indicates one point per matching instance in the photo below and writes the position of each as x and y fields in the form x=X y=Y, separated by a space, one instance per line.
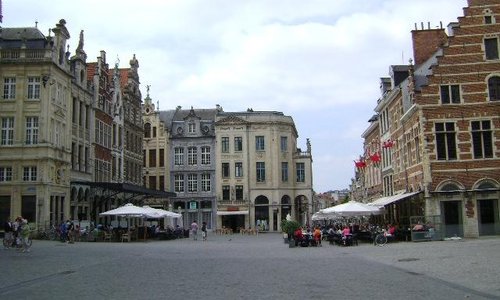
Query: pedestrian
x=16 y=231
x=194 y=230
x=25 y=234
x=204 y=230
x=71 y=232
x=8 y=236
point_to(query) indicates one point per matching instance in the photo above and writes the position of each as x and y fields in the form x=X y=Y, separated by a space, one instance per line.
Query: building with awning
x=383 y=201
x=103 y=196
x=232 y=213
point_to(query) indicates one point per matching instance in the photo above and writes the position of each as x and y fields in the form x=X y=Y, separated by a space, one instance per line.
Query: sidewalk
x=474 y=263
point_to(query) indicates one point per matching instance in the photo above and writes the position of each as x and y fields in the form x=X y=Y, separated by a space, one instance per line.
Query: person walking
x=8 y=236
x=25 y=234
x=194 y=230
x=204 y=231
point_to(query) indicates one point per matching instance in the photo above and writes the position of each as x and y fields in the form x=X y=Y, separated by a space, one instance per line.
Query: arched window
x=486 y=186
x=450 y=187
x=494 y=88
x=147 y=130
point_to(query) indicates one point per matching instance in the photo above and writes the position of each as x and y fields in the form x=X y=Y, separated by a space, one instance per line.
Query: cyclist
x=8 y=237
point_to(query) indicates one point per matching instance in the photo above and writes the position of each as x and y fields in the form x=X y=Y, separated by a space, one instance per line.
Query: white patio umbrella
x=127 y=210
x=130 y=211
x=351 y=208
x=317 y=216
x=156 y=213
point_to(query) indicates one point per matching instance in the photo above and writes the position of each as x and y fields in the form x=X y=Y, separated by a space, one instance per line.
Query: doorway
x=488 y=216
x=234 y=222
x=452 y=215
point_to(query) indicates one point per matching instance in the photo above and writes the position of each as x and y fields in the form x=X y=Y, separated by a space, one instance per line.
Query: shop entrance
x=262 y=213
x=452 y=214
x=488 y=217
x=235 y=222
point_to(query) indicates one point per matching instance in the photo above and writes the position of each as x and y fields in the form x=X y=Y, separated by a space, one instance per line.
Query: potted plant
x=288 y=228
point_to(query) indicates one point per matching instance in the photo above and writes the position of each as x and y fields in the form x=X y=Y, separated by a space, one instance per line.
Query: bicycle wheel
x=380 y=240
x=7 y=243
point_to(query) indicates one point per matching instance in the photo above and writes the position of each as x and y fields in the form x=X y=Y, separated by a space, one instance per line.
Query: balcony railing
x=24 y=54
x=233 y=202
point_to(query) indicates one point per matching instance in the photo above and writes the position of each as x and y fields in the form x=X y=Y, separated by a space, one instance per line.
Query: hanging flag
x=1 y=15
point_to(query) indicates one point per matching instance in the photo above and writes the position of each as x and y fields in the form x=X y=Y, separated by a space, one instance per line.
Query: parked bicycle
x=16 y=242
x=52 y=234
x=381 y=236
x=380 y=239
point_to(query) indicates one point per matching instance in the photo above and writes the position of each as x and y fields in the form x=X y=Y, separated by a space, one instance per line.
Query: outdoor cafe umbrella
x=351 y=209
x=129 y=210
x=160 y=213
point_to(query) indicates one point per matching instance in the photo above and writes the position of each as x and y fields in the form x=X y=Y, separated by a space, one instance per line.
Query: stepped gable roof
x=91 y=70
x=123 y=73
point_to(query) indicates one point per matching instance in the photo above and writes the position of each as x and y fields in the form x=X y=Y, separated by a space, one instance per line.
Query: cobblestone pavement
x=473 y=263
x=252 y=267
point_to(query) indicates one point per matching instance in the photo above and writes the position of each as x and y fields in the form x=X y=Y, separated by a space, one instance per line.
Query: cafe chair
x=125 y=237
x=108 y=236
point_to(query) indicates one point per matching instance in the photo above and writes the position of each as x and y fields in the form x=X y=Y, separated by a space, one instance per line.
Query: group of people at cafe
x=345 y=234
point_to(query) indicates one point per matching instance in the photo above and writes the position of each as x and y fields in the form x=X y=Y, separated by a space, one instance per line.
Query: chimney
x=426 y=42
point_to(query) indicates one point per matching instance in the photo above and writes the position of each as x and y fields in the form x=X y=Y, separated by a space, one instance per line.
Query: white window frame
x=9 y=88
x=29 y=173
x=192 y=183
x=31 y=131
x=33 y=88
x=5 y=174
x=7 y=135
x=206 y=182
x=178 y=156
x=192 y=156
x=205 y=155
x=179 y=183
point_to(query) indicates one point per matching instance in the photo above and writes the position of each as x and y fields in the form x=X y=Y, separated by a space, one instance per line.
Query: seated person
x=418 y=227
x=391 y=232
x=346 y=236
x=298 y=236
x=308 y=239
x=346 y=231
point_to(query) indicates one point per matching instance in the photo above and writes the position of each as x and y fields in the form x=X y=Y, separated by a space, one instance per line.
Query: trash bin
x=186 y=233
x=291 y=243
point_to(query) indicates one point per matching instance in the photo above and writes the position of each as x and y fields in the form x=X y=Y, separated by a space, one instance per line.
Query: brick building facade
x=440 y=127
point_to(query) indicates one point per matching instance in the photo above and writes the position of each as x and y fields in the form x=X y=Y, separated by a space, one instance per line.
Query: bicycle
x=8 y=241
x=17 y=242
x=380 y=239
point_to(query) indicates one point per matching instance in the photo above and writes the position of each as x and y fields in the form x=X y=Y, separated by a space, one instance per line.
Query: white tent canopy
x=127 y=210
x=130 y=210
x=351 y=208
x=160 y=213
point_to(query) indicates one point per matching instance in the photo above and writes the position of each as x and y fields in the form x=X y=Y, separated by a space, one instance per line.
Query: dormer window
x=192 y=128
x=488 y=17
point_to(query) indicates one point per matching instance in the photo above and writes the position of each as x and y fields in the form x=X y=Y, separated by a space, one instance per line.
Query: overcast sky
x=319 y=61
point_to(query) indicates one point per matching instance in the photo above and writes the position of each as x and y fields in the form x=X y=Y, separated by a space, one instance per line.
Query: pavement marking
x=6 y=290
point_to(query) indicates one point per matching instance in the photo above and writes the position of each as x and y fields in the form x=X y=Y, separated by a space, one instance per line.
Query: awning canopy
x=391 y=199
x=131 y=190
x=232 y=212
